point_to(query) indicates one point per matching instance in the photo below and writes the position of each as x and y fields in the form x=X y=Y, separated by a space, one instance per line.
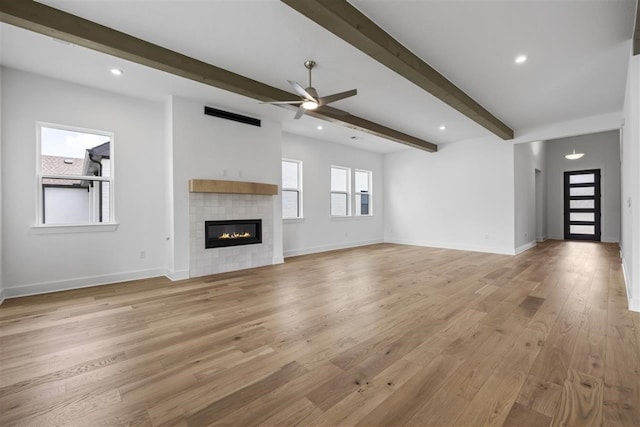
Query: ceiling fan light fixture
x=574 y=155
x=309 y=105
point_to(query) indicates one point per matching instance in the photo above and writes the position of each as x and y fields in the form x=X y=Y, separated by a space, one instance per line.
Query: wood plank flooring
x=382 y=335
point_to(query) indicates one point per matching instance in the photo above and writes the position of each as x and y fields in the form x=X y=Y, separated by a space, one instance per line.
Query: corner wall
x=38 y=261
x=630 y=241
x=527 y=159
x=318 y=231
x=1 y=270
x=461 y=197
x=602 y=151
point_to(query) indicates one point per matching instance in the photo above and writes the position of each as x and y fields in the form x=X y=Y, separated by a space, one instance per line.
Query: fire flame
x=234 y=235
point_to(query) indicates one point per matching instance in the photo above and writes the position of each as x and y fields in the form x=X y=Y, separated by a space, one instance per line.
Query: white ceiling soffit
x=577 y=50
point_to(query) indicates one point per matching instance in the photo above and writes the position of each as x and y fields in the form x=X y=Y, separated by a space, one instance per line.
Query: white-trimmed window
x=291 y=189
x=363 y=193
x=75 y=177
x=340 y=191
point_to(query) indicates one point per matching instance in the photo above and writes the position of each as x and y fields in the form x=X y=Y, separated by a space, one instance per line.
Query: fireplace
x=235 y=232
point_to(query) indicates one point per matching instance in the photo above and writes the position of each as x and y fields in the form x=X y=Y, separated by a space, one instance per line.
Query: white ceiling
x=578 y=53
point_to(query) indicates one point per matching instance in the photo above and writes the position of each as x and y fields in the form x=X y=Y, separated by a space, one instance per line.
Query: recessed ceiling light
x=319 y=127
x=116 y=71
x=443 y=127
x=521 y=59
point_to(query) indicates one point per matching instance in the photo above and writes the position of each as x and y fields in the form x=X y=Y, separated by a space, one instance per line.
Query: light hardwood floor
x=372 y=336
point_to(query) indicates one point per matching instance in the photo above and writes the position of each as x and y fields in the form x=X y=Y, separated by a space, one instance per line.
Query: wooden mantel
x=231 y=187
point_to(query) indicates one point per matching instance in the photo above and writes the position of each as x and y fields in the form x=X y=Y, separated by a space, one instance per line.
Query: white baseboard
x=332 y=247
x=555 y=237
x=83 y=282
x=1 y=295
x=634 y=303
x=609 y=239
x=455 y=246
x=541 y=239
x=177 y=275
x=526 y=246
x=278 y=260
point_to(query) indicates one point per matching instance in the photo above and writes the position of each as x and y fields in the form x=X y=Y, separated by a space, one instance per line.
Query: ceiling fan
x=310 y=99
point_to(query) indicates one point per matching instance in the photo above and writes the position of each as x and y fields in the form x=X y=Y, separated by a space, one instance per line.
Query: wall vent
x=210 y=111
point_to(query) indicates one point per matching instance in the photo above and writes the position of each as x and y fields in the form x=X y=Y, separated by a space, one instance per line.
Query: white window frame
x=368 y=193
x=93 y=226
x=347 y=193
x=298 y=189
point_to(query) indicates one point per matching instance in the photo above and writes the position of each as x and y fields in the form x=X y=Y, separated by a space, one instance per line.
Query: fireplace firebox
x=235 y=232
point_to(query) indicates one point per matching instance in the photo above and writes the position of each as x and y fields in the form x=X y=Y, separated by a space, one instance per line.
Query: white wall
x=1 y=240
x=527 y=158
x=461 y=197
x=318 y=231
x=630 y=241
x=602 y=151
x=206 y=147
x=35 y=261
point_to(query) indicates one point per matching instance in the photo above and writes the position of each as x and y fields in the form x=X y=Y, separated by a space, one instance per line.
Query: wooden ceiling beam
x=351 y=25
x=61 y=25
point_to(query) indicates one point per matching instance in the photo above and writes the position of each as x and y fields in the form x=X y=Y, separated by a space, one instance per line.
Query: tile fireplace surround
x=206 y=204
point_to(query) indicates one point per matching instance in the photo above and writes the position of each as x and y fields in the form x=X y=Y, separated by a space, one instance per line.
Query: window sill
x=73 y=228
x=292 y=220
x=350 y=217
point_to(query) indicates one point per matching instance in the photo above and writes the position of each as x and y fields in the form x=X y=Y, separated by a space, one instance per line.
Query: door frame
x=597 y=209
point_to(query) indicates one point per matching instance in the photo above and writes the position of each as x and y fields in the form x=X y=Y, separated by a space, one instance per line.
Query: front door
x=582 y=205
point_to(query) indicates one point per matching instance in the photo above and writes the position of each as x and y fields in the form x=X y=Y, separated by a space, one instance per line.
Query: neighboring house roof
x=55 y=165
x=93 y=157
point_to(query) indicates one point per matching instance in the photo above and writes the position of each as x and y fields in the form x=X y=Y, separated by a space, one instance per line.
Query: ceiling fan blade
x=331 y=110
x=337 y=96
x=282 y=102
x=301 y=91
x=299 y=113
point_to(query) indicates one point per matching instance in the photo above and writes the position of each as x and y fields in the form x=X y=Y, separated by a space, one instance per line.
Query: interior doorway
x=582 y=212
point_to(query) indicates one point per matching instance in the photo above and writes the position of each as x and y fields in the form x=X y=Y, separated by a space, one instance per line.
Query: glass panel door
x=582 y=205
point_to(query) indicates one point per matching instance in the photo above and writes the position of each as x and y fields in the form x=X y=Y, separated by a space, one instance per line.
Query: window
x=291 y=189
x=340 y=185
x=363 y=192
x=75 y=180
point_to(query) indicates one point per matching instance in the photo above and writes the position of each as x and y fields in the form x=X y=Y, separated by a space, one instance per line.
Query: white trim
x=82 y=282
x=1 y=296
x=73 y=228
x=634 y=303
x=555 y=237
x=292 y=220
x=278 y=260
x=177 y=275
x=326 y=248
x=350 y=217
x=541 y=239
x=526 y=247
x=454 y=246
x=609 y=239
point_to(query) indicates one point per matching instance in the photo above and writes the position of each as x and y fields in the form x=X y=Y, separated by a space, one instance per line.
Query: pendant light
x=574 y=155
